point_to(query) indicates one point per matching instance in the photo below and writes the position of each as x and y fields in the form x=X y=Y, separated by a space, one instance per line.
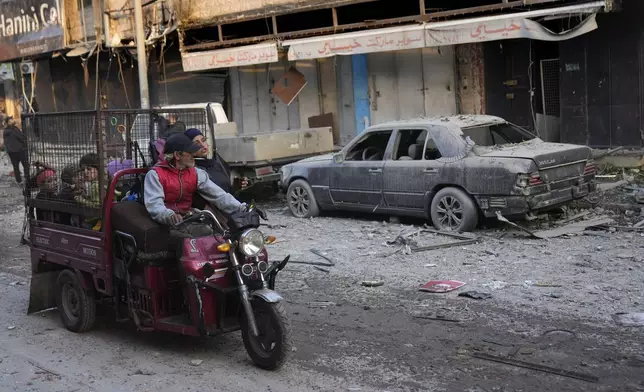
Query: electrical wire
x=122 y=80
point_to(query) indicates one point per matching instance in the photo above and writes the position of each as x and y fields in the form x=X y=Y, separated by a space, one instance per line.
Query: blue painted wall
x=361 y=91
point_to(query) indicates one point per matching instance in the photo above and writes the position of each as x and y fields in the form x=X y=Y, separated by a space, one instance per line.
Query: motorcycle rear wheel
x=272 y=347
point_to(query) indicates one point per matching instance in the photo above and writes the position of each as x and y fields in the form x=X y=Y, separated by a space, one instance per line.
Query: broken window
x=371 y=148
x=491 y=135
x=431 y=150
x=410 y=145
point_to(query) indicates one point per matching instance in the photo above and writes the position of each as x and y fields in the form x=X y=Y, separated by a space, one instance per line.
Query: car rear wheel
x=453 y=209
x=301 y=200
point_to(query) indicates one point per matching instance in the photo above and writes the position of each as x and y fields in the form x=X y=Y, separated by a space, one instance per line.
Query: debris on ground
x=408 y=245
x=574 y=228
x=143 y=372
x=536 y=366
x=571 y=228
x=629 y=319
x=436 y=318
x=475 y=295
x=441 y=286
x=372 y=283
x=317 y=264
x=196 y=362
x=320 y=304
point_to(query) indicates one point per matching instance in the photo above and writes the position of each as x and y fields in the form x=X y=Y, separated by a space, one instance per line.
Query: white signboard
x=233 y=57
x=438 y=34
x=381 y=40
x=501 y=29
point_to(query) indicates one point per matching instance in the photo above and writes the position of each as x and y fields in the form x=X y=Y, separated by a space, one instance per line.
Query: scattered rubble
x=372 y=283
x=475 y=295
x=441 y=286
x=629 y=319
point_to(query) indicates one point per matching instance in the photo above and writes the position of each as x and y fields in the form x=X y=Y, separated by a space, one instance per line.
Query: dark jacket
x=45 y=215
x=14 y=139
x=218 y=171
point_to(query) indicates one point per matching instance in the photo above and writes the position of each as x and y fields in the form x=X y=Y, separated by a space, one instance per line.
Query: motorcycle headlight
x=251 y=242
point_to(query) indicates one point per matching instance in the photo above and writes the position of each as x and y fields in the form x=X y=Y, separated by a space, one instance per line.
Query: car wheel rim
x=71 y=302
x=450 y=212
x=299 y=201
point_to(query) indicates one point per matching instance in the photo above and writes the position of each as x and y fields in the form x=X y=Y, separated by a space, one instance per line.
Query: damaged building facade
x=573 y=71
x=353 y=64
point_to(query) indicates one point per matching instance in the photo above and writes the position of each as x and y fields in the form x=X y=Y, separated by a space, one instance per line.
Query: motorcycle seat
x=132 y=218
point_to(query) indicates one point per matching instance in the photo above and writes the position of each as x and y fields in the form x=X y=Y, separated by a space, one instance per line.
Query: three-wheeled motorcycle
x=226 y=281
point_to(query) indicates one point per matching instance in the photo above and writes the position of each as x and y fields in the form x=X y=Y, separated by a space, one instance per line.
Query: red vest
x=178 y=186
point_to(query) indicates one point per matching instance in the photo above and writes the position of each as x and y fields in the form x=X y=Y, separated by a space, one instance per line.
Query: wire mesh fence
x=74 y=156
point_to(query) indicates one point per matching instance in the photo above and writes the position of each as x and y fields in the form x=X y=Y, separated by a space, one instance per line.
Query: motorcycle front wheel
x=270 y=349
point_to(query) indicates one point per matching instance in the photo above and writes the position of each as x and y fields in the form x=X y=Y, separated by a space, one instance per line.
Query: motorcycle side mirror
x=208 y=270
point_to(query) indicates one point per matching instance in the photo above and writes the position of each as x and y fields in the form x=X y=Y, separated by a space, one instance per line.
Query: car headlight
x=251 y=242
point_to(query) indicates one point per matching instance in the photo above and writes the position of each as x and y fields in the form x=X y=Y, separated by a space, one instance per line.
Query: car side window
x=370 y=148
x=431 y=150
x=409 y=145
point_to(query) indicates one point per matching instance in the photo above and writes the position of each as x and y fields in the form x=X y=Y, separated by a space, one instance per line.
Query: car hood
x=544 y=154
x=317 y=158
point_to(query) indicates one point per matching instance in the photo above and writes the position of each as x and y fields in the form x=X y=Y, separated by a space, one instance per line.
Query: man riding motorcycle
x=170 y=185
x=168 y=191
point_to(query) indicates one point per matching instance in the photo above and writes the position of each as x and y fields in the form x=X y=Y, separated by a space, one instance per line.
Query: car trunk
x=556 y=162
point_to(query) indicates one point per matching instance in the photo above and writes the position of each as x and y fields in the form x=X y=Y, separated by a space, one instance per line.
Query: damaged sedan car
x=454 y=171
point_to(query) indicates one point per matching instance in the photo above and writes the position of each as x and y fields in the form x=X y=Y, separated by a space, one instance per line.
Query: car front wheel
x=301 y=200
x=453 y=209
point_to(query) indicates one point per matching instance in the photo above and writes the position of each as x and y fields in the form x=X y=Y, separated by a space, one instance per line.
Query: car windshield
x=497 y=134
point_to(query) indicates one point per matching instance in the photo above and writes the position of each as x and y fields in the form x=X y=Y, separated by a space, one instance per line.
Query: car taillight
x=526 y=180
x=590 y=168
x=535 y=179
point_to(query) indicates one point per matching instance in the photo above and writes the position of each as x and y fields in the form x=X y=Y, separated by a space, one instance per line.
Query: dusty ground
x=350 y=337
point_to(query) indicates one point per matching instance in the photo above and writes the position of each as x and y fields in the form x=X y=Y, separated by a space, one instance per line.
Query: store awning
x=230 y=57
x=491 y=28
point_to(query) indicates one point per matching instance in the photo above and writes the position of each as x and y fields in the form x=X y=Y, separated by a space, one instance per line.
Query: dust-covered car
x=452 y=170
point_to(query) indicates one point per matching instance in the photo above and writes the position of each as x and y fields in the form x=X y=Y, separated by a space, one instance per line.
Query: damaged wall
x=199 y=13
x=470 y=77
x=170 y=85
x=119 y=20
x=79 y=21
x=61 y=86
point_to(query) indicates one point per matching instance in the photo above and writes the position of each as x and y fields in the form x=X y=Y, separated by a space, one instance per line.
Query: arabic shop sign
x=29 y=27
x=381 y=40
x=233 y=57
x=502 y=29
x=429 y=35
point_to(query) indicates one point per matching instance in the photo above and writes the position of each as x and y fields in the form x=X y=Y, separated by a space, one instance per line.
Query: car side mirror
x=338 y=158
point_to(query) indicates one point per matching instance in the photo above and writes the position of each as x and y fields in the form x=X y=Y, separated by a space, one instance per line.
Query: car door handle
x=430 y=170
x=375 y=170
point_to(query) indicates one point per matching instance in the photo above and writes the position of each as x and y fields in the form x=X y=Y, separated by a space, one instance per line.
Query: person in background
x=47 y=184
x=71 y=178
x=217 y=169
x=89 y=195
x=15 y=143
